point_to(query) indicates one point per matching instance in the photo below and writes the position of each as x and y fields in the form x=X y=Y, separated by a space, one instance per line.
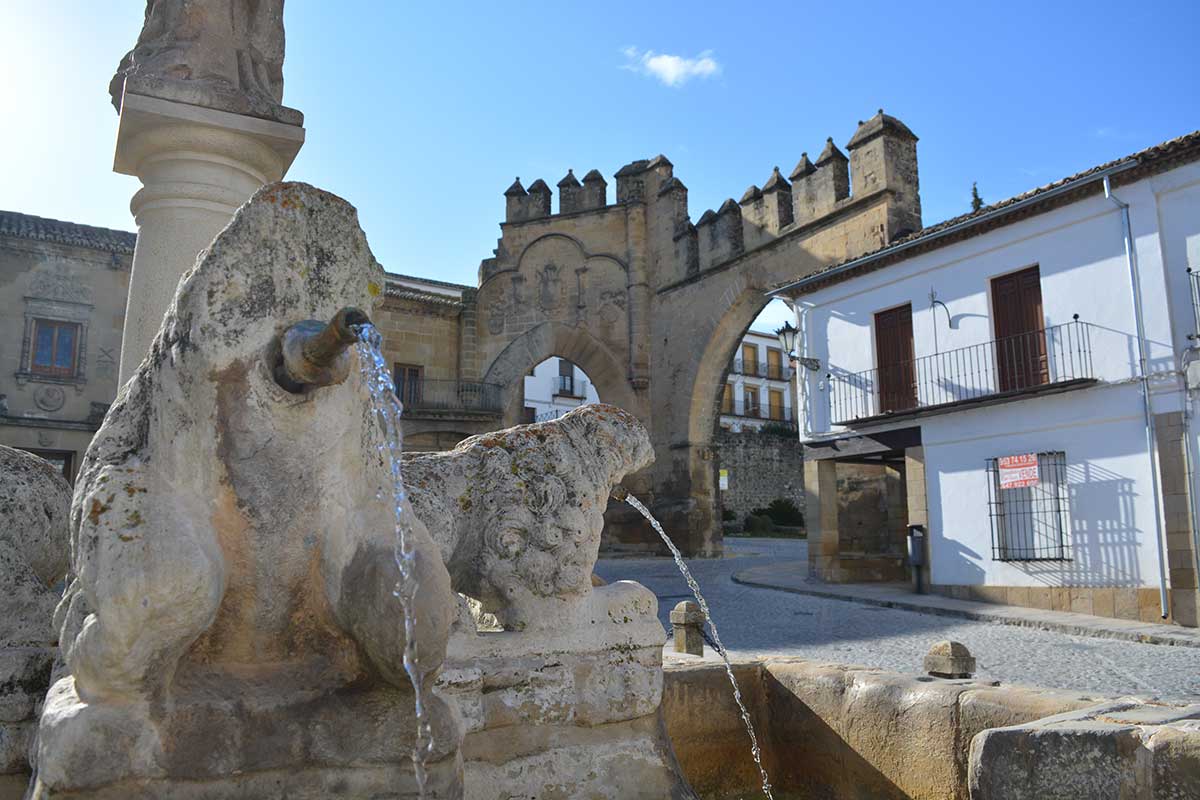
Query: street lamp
x=787 y=339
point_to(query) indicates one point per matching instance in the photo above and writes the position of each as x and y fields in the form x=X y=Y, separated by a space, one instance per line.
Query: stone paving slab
x=793 y=577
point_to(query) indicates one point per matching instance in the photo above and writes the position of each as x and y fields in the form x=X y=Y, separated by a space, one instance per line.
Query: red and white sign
x=1017 y=472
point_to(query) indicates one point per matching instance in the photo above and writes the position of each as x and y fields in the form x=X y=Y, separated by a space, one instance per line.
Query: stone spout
x=313 y=353
x=619 y=493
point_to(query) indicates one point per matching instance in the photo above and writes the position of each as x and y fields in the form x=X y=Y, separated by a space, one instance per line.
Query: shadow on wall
x=1104 y=536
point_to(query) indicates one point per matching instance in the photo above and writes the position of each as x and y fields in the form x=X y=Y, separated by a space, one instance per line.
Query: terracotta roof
x=42 y=229
x=1157 y=158
x=434 y=281
x=429 y=298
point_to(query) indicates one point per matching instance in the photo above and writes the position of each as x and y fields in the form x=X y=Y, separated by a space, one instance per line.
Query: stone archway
x=713 y=365
x=575 y=344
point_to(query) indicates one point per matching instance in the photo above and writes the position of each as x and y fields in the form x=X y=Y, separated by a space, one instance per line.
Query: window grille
x=1030 y=523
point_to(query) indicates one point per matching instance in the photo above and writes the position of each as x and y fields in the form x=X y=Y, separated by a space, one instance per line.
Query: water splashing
x=712 y=626
x=388 y=409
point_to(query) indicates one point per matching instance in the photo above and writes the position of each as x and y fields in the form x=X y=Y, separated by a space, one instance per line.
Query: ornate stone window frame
x=56 y=311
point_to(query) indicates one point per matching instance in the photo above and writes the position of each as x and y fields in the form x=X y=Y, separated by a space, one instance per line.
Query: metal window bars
x=1057 y=354
x=1030 y=523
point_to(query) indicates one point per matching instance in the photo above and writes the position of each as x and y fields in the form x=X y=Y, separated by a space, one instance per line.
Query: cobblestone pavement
x=761 y=622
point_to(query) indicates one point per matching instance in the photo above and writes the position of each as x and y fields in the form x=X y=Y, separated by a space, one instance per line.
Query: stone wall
x=762 y=468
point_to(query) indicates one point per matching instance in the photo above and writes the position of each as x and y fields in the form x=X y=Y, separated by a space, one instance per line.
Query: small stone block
x=948 y=659
x=687 y=621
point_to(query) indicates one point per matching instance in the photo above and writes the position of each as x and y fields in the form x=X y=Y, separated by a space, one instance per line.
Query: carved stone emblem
x=49 y=398
x=54 y=281
x=550 y=288
x=612 y=305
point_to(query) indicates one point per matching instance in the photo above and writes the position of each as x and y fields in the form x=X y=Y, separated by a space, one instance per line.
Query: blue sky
x=422 y=114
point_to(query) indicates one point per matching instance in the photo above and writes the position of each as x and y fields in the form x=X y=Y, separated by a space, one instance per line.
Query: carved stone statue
x=223 y=54
x=231 y=631
x=559 y=681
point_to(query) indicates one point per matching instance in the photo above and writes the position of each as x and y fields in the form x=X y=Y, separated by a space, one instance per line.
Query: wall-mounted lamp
x=787 y=339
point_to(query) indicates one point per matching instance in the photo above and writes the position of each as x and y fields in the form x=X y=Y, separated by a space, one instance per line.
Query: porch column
x=821 y=515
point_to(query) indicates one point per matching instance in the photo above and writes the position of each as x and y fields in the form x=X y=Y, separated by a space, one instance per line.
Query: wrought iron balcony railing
x=568 y=386
x=432 y=394
x=762 y=369
x=1058 y=354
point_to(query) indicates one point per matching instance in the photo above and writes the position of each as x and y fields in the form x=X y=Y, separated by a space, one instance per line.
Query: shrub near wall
x=762 y=468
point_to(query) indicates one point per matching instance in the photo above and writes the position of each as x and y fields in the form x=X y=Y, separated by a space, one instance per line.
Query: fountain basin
x=840 y=732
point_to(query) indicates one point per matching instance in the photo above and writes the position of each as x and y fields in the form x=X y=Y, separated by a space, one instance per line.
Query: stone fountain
x=231 y=629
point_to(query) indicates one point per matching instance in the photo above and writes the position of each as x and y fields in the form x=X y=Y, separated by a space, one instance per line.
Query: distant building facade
x=62 y=307
x=555 y=387
x=988 y=369
x=758 y=389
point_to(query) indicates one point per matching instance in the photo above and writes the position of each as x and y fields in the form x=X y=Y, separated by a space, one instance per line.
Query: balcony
x=434 y=395
x=567 y=386
x=761 y=369
x=1054 y=359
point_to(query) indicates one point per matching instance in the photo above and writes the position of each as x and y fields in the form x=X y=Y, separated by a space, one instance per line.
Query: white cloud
x=670 y=70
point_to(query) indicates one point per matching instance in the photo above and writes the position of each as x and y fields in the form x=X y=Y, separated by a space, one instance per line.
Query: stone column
x=197 y=165
x=821 y=516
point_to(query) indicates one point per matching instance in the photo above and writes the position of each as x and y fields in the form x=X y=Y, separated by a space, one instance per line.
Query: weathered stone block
x=948 y=659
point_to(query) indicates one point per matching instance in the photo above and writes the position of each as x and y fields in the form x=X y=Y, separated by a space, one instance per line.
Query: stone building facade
x=62 y=307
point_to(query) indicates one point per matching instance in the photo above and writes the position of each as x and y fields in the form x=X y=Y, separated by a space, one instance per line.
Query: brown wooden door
x=1021 y=360
x=894 y=355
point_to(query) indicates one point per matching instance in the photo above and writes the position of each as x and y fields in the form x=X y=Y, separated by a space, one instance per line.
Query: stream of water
x=712 y=627
x=388 y=409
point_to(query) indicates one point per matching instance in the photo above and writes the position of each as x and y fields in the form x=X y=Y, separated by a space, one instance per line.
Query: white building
x=757 y=387
x=1013 y=332
x=554 y=387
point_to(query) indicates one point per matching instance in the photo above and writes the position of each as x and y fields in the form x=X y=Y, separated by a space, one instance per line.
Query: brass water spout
x=313 y=353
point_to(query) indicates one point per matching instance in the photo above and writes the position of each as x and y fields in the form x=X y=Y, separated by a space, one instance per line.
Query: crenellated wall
x=651 y=304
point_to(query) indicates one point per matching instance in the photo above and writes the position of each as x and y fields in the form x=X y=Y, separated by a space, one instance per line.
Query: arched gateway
x=652 y=306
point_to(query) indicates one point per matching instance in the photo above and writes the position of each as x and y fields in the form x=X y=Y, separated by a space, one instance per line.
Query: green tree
x=976 y=200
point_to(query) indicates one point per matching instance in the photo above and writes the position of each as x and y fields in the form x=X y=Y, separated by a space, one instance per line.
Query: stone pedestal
x=197 y=165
